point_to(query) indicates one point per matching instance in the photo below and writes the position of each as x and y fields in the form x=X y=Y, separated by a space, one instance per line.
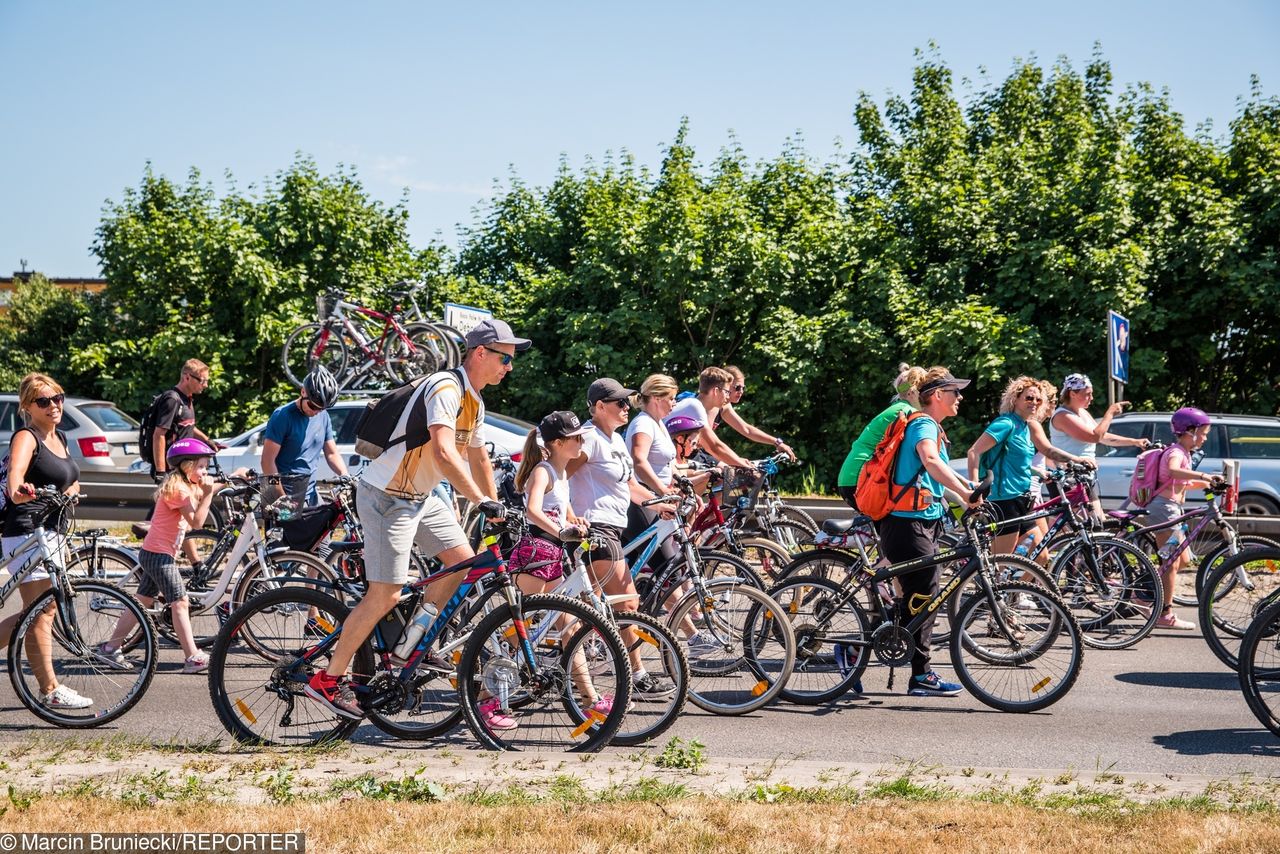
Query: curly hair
x=1014 y=390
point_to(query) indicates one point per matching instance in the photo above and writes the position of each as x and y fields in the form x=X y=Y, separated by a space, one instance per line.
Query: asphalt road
x=1165 y=706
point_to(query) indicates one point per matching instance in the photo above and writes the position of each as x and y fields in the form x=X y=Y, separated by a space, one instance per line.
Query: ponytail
x=530 y=457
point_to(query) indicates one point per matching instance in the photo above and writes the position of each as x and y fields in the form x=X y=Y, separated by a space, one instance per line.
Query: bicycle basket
x=304 y=530
x=740 y=486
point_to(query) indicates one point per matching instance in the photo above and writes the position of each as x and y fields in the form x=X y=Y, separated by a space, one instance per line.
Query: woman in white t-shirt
x=602 y=485
x=647 y=439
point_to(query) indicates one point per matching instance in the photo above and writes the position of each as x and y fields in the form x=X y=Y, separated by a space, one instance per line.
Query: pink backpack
x=1146 y=483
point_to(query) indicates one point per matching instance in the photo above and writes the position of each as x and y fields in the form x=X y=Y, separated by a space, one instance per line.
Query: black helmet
x=320 y=387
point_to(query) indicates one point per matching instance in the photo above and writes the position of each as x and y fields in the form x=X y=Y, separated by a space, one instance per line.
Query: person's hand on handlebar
x=569 y=533
x=492 y=509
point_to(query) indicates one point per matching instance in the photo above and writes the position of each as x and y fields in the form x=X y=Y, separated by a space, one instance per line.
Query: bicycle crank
x=893 y=644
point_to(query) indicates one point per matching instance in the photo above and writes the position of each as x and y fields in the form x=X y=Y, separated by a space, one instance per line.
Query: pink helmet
x=1188 y=418
x=187 y=449
x=683 y=424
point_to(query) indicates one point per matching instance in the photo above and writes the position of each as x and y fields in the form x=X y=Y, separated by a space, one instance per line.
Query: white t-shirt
x=414 y=473
x=600 y=489
x=662 y=451
x=691 y=407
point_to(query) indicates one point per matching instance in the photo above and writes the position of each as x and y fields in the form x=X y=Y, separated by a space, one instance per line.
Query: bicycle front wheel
x=1026 y=665
x=1233 y=595
x=656 y=649
x=1260 y=667
x=765 y=557
x=262 y=660
x=1112 y=588
x=573 y=698
x=832 y=648
x=68 y=640
x=740 y=646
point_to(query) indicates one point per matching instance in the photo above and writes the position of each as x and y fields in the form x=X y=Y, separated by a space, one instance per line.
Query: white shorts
x=8 y=544
x=392 y=525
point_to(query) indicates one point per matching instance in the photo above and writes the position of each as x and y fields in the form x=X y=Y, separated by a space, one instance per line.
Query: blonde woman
x=38 y=457
x=906 y=400
x=1005 y=449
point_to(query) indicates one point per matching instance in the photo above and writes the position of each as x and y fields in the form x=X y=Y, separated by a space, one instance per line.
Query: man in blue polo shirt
x=298 y=434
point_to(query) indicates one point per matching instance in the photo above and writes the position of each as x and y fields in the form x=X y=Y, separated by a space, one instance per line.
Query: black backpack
x=147 y=428
x=380 y=417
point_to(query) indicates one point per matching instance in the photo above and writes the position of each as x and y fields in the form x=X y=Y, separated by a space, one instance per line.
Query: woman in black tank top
x=38 y=456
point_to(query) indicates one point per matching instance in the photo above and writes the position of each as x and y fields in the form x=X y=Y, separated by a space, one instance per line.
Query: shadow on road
x=1208 y=681
x=1208 y=742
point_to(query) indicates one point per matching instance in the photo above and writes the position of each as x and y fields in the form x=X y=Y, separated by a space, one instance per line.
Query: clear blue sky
x=443 y=99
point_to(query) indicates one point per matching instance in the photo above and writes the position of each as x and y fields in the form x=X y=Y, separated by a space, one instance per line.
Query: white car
x=504 y=433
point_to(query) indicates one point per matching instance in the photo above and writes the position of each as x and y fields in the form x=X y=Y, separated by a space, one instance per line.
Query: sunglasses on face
x=738 y=388
x=312 y=405
x=201 y=380
x=505 y=358
x=1030 y=399
x=46 y=402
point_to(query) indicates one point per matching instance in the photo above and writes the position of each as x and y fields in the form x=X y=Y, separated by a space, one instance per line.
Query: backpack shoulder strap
x=425 y=387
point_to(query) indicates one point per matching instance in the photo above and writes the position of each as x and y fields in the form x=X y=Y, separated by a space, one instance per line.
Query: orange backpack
x=876 y=494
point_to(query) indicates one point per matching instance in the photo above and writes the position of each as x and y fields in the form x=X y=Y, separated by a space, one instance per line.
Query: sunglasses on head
x=505 y=358
x=46 y=402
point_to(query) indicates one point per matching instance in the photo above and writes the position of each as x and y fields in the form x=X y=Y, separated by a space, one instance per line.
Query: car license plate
x=131 y=447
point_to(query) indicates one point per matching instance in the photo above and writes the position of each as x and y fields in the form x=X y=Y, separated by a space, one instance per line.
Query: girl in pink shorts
x=541 y=479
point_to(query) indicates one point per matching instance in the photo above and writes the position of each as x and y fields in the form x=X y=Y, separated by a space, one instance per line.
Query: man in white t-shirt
x=395 y=502
x=713 y=393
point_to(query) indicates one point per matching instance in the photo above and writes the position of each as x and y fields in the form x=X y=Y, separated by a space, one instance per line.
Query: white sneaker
x=114 y=657
x=197 y=663
x=63 y=697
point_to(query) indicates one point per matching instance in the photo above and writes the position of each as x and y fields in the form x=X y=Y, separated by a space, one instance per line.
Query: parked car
x=505 y=433
x=1253 y=440
x=102 y=439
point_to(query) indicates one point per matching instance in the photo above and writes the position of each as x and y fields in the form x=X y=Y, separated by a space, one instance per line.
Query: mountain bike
x=1233 y=596
x=69 y=622
x=1014 y=645
x=1260 y=667
x=711 y=529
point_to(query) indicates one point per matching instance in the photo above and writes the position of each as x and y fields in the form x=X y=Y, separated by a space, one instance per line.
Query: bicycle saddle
x=1127 y=514
x=93 y=533
x=840 y=527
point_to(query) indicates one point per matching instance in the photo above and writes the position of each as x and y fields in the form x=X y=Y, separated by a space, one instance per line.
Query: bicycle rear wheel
x=765 y=557
x=1112 y=588
x=1260 y=667
x=313 y=344
x=1029 y=667
x=744 y=651
x=423 y=350
x=257 y=669
x=90 y=619
x=574 y=699
x=1233 y=595
x=832 y=649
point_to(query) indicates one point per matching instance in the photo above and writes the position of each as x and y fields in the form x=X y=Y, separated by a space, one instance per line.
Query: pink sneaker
x=492 y=716
x=604 y=705
x=1170 y=621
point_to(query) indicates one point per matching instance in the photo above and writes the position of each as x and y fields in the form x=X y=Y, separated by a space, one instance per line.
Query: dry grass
x=683 y=825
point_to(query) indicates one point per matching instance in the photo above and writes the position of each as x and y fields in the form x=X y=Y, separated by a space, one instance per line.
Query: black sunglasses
x=505 y=358
x=46 y=402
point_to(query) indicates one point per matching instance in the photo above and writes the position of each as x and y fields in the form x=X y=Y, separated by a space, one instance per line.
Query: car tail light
x=515 y=458
x=95 y=446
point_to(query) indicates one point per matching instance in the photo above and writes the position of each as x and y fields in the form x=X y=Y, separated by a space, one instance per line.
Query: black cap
x=561 y=425
x=607 y=389
x=494 y=331
x=944 y=381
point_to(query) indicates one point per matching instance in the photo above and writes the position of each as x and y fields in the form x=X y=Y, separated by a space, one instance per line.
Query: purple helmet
x=682 y=424
x=187 y=449
x=1188 y=418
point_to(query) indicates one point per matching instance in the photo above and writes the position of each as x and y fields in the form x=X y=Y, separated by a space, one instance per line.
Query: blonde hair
x=192 y=366
x=28 y=388
x=909 y=378
x=176 y=484
x=1014 y=389
x=712 y=377
x=657 y=385
x=1050 y=392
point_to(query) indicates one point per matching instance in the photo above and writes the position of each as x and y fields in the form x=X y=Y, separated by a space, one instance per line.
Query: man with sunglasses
x=176 y=414
x=298 y=434
x=437 y=438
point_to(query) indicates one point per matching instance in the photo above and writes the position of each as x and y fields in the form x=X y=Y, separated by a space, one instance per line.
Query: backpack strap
x=462 y=387
x=914 y=482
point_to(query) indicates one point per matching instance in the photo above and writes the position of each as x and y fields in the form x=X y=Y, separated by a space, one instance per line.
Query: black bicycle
x=1260 y=667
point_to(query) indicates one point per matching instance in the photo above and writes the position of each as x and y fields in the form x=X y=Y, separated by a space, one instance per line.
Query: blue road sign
x=1118 y=347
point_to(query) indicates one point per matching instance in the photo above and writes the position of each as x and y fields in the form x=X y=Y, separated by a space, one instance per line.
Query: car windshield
x=107 y=417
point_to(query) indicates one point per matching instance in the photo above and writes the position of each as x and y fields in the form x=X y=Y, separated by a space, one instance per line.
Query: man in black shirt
x=176 y=414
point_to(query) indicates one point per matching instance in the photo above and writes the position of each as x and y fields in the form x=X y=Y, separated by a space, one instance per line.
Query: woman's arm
x=985 y=443
x=21 y=449
x=752 y=432
x=1113 y=440
x=1042 y=444
x=641 y=442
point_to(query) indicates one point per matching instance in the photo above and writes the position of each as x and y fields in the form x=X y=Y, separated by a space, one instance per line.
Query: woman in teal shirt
x=1005 y=449
x=906 y=387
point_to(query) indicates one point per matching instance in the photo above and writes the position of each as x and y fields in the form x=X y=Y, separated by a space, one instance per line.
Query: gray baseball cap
x=495 y=331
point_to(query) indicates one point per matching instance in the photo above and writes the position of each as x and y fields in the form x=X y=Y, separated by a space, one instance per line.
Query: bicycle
x=763 y=510
x=1234 y=594
x=711 y=529
x=519 y=654
x=1260 y=667
x=84 y=614
x=381 y=343
x=1013 y=658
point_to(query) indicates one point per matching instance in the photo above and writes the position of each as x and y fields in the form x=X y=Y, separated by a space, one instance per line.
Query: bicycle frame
x=1209 y=514
x=44 y=556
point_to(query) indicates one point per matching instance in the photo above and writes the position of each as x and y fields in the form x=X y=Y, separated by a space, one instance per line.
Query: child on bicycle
x=182 y=503
x=542 y=480
x=1190 y=429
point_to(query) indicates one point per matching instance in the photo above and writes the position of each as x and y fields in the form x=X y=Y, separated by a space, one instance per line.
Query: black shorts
x=605 y=542
x=1012 y=508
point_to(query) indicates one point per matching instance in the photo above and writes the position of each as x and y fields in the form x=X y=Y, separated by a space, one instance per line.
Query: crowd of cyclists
x=639 y=457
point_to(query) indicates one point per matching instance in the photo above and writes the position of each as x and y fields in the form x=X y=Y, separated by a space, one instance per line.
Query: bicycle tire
x=1214 y=560
x=286 y=567
x=431 y=706
x=662 y=656
x=765 y=557
x=791 y=513
x=106 y=563
x=1119 y=608
x=1009 y=567
x=456 y=339
x=95 y=608
x=256 y=674
x=1015 y=674
x=1228 y=606
x=550 y=714
x=832 y=564
x=831 y=656
x=792 y=536
x=1260 y=667
x=309 y=345
x=746 y=664
x=428 y=356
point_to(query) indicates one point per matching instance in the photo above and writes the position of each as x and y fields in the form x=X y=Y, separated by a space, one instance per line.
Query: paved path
x=1164 y=707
